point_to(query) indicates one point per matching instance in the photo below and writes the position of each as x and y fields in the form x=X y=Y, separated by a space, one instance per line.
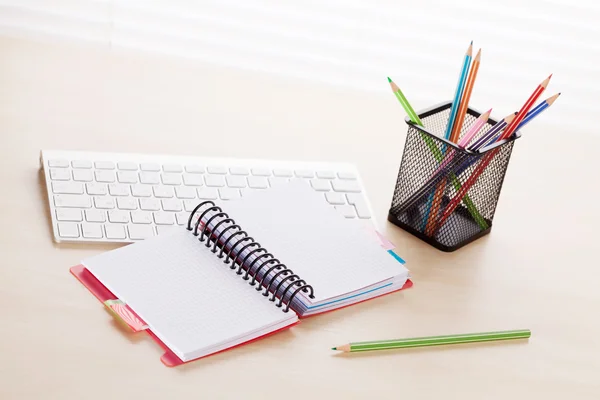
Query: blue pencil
x=462 y=80
x=538 y=110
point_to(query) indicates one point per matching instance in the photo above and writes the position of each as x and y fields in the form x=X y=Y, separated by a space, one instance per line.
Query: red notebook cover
x=169 y=358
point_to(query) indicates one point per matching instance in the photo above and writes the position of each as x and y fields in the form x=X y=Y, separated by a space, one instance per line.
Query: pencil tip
x=389 y=79
x=334 y=348
x=471 y=43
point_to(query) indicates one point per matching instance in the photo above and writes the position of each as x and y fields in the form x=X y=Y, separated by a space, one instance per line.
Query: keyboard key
x=149 y=204
x=189 y=205
x=68 y=229
x=184 y=192
x=239 y=171
x=234 y=181
x=257 y=182
x=104 y=202
x=94 y=215
x=207 y=193
x=163 y=191
x=92 y=231
x=141 y=190
x=127 y=166
x=115 y=231
x=261 y=171
x=164 y=218
x=60 y=174
x=335 y=198
x=118 y=216
x=83 y=164
x=72 y=201
x=60 y=163
x=141 y=217
x=326 y=174
x=104 y=165
x=359 y=203
x=68 y=214
x=229 y=194
x=172 y=168
x=165 y=229
x=150 y=167
x=126 y=203
x=345 y=186
x=304 y=173
x=346 y=175
x=193 y=180
x=286 y=173
x=320 y=185
x=149 y=178
x=278 y=180
x=140 y=232
x=182 y=218
x=171 y=179
x=214 y=180
x=61 y=187
x=83 y=175
x=96 y=188
x=117 y=189
x=127 y=177
x=171 y=204
x=347 y=211
x=217 y=169
x=104 y=176
x=194 y=169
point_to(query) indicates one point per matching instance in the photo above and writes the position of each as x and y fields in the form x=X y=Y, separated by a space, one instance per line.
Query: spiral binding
x=263 y=260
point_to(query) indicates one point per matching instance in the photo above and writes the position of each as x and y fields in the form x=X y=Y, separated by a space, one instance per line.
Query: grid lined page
x=188 y=297
x=332 y=254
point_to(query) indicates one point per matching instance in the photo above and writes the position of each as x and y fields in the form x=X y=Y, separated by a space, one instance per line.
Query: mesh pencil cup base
x=445 y=195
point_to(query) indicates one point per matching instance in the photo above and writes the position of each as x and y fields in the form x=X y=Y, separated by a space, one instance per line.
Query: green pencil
x=437 y=153
x=434 y=340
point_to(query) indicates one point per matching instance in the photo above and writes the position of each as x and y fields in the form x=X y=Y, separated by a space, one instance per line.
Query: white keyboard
x=111 y=197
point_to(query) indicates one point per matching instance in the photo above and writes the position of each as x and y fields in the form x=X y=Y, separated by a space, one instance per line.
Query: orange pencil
x=464 y=104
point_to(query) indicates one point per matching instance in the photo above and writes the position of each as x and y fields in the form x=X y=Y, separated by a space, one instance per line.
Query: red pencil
x=488 y=157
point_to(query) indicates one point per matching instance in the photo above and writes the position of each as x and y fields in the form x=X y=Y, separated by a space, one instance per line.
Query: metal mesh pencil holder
x=433 y=171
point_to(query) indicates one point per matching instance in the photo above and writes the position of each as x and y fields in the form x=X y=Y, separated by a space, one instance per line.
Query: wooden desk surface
x=538 y=268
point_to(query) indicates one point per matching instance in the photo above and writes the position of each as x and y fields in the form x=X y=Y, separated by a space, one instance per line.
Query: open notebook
x=255 y=266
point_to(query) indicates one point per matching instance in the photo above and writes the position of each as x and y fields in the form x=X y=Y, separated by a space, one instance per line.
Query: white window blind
x=353 y=43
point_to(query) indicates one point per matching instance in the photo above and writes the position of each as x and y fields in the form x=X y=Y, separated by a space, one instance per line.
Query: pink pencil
x=479 y=123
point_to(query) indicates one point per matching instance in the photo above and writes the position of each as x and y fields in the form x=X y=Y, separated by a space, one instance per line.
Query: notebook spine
x=242 y=253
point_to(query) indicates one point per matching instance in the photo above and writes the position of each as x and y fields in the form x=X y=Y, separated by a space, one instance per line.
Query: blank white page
x=190 y=299
x=334 y=255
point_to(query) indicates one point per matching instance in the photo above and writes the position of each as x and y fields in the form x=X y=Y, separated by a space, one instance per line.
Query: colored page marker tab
x=125 y=315
x=397 y=257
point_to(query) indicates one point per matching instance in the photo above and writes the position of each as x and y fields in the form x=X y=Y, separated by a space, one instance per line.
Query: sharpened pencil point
x=389 y=79
x=335 y=348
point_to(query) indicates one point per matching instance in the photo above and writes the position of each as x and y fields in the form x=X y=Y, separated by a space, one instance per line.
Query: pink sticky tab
x=126 y=315
x=385 y=243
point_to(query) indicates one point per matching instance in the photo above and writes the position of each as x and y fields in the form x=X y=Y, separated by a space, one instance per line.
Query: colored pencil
x=458 y=93
x=538 y=110
x=466 y=97
x=436 y=203
x=433 y=341
x=492 y=133
x=459 y=90
x=412 y=115
x=512 y=126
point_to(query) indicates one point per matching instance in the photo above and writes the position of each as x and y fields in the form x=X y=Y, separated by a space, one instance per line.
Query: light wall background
x=355 y=43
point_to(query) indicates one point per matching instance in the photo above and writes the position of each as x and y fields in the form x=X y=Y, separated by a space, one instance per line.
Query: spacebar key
x=75 y=201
